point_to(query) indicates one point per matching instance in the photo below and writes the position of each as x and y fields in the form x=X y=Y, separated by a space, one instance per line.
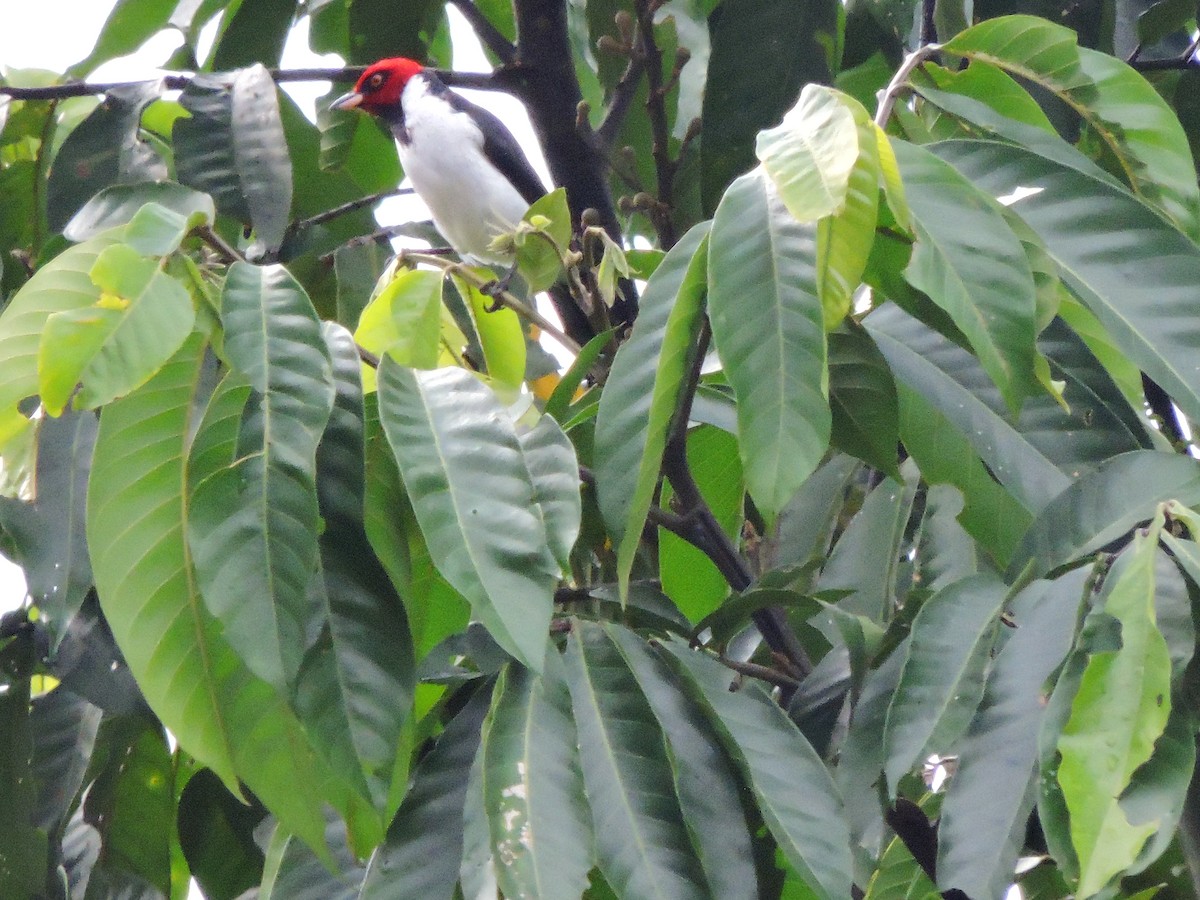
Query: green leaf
x=544 y=235
x=132 y=804
x=48 y=532
x=642 y=844
x=404 y=320
x=253 y=531
x=233 y=147
x=470 y=485
x=706 y=781
x=844 y=240
x=128 y=26
x=251 y=34
x=24 y=853
x=63 y=284
x=532 y=786
x=1118 y=713
x=969 y=262
x=941 y=683
x=862 y=398
x=991 y=86
x=216 y=835
x=142 y=317
x=420 y=856
x=1104 y=505
x=810 y=156
x=1144 y=316
x=137 y=513
x=356 y=685
x=987 y=804
x=554 y=469
x=119 y=203
x=739 y=100
x=1136 y=127
x=795 y=793
x=642 y=392
x=299 y=874
x=500 y=335
x=768 y=327
x=104 y=149
x=688 y=576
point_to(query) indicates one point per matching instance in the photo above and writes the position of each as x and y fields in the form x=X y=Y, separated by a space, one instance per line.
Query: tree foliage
x=851 y=552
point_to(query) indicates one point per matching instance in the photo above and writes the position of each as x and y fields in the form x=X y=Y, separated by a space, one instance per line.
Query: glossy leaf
x=1104 y=505
x=419 y=857
x=118 y=204
x=539 y=824
x=988 y=801
x=500 y=333
x=705 y=779
x=465 y=471
x=769 y=330
x=137 y=513
x=554 y=470
x=142 y=317
x=1074 y=215
x=941 y=683
x=1134 y=123
x=1119 y=712
x=357 y=683
x=642 y=843
x=643 y=390
x=809 y=156
x=862 y=397
x=969 y=262
x=253 y=531
x=808 y=824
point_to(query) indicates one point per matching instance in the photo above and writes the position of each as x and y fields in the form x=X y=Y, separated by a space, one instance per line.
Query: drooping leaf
x=642 y=844
x=117 y=205
x=941 y=683
x=532 y=788
x=769 y=330
x=1146 y=315
x=1135 y=125
x=988 y=801
x=138 y=500
x=469 y=483
x=808 y=824
x=642 y=392
x=253 y=531
x=969 y=262
x=420 y=855
x=1118 y=713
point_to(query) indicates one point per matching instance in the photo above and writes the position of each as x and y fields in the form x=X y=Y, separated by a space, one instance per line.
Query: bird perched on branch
x=462 y=161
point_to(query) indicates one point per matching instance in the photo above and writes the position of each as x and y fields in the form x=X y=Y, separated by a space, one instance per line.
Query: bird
x=461 y=159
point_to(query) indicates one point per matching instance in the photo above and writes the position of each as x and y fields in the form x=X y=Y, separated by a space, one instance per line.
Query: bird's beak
x=347 y=101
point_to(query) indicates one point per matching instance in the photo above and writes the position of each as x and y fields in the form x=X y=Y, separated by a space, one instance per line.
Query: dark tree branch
x=225 y=252
x=618 y=106
x=762 y=673
x=345 y=208
x=928 y=26
x=661 y=213
x=488 y=33
x=550 y=90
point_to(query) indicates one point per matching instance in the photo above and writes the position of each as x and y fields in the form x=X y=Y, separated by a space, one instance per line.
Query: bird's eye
x=376 y=81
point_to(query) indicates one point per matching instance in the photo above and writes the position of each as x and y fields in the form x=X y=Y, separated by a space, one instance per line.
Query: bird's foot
x=500 y=286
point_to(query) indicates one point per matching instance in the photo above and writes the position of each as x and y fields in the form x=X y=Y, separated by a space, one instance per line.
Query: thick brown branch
x=662 y=213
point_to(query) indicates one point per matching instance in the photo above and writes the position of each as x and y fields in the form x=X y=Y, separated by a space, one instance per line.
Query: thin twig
x=321 y=218
x=664 y=167
x=488 y=33
x=622 y=99
x=762 y=673
x=224 y=250
x=899 y=81
x=504 y=298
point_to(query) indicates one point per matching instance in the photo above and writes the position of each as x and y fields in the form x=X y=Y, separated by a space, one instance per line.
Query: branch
x=225 y=251
x=1186 y=60
x=488 y=33
x=900 y=79
x=622 y=98
x=762 y=673
x=329 y=214
x=664 y=167
x=504 y=298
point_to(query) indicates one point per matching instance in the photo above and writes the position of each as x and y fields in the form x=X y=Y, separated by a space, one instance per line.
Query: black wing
x=499 y=145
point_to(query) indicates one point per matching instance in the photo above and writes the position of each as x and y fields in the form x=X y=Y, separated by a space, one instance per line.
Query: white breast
x=468 y=198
